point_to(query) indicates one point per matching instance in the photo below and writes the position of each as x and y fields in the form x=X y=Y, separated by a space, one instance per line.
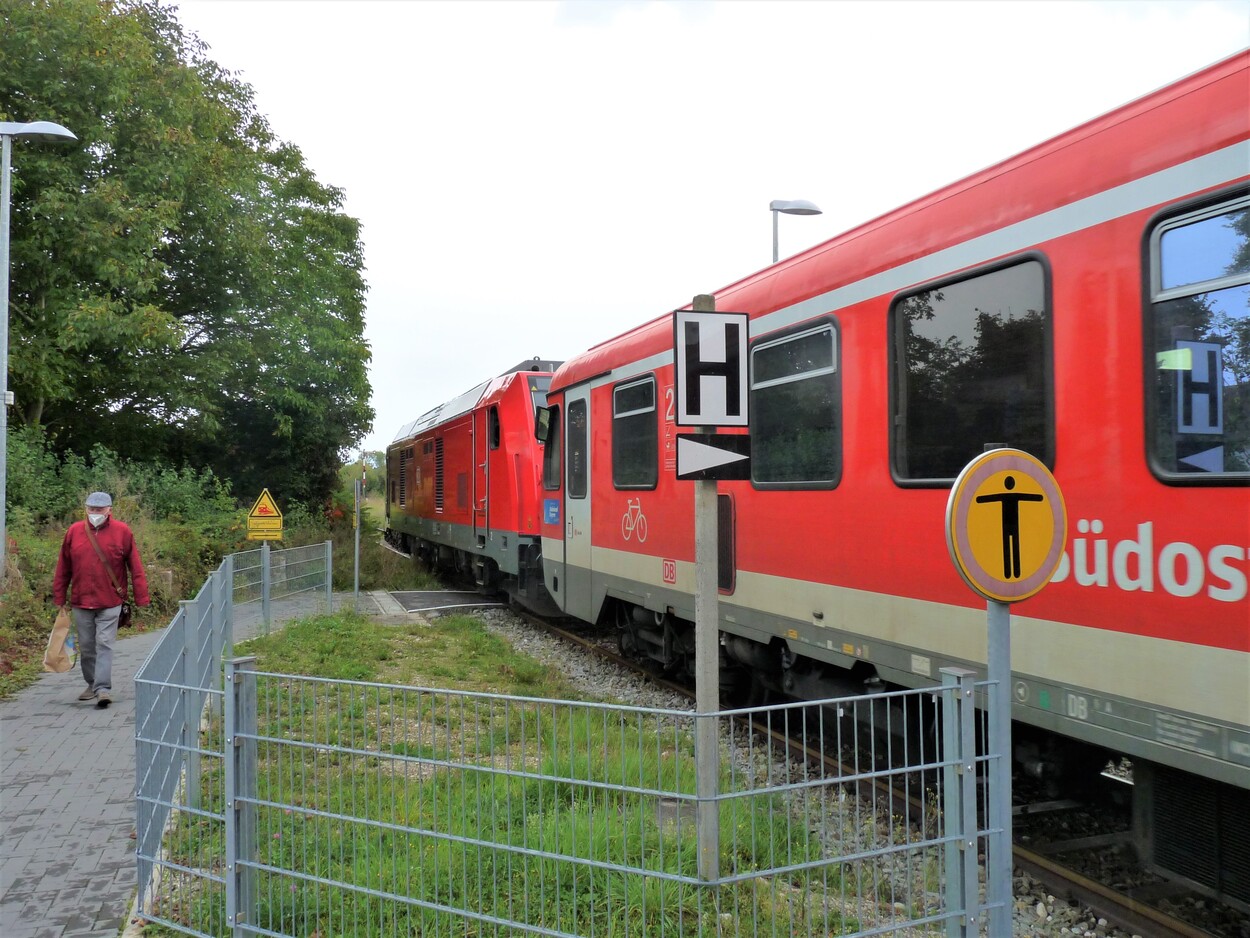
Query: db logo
x=669 y=568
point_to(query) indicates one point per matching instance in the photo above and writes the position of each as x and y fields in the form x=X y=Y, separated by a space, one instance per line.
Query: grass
x=381 y=807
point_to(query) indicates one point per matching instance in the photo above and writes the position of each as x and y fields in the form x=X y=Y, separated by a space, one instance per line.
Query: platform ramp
x=445 y=600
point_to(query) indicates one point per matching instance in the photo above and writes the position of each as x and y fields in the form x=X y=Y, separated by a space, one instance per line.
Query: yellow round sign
x=1006 y=525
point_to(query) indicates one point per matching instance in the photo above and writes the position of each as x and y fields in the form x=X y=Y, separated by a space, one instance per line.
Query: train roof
x=1085 y=171
x=475 y=395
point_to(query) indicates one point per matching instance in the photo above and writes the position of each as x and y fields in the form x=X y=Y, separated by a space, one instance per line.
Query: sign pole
x=1006 y=526
x=999 y=862
x=356 y=529
x=706 y=663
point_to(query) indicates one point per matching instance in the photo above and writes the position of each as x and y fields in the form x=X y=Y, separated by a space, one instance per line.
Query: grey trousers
x=97 y=632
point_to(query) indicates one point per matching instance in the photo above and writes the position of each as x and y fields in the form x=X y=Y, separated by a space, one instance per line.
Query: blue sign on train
x=551 y=511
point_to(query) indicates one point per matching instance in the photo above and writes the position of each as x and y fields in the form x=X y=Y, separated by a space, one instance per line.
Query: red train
x=463 y=484
x=1087 y=301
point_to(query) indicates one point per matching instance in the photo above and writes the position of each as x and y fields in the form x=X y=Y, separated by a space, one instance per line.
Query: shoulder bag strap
x=99 y=553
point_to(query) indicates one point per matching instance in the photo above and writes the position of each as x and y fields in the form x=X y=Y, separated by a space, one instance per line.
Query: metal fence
x=343 y=808
x=182 y=677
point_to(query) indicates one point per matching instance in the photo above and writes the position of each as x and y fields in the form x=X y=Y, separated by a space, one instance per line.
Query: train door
x=577 y=555
x=481 y=476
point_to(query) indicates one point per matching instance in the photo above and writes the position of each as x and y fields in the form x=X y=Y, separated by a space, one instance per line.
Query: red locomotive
x=463 y=485
x=1087 y=301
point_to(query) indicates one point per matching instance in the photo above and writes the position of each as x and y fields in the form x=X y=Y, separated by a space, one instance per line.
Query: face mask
x=96 y=520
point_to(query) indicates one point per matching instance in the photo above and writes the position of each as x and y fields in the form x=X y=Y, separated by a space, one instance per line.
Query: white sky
x=536 y=177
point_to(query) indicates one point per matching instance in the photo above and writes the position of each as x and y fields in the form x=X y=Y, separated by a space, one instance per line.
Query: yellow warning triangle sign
x=265 y=507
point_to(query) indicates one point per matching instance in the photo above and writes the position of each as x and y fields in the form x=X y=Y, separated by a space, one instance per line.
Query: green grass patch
x=383 y=808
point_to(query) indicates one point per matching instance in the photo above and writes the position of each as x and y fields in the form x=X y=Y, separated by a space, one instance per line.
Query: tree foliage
x=183 y=288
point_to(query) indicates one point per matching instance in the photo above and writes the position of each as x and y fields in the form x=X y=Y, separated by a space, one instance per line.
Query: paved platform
x=445 y=600
x=67 y=782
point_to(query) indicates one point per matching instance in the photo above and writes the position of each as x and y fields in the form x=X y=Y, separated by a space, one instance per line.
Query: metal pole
x=959 y=806
x=330 y=577
x=191 y=698
x=998 y=865
x=265 y=586
x=356 y=526
x=706 y=664
x=775 y=213
x=4 y=345
x=240 y=793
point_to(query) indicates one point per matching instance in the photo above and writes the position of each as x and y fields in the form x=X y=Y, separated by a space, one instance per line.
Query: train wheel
x=625 y=642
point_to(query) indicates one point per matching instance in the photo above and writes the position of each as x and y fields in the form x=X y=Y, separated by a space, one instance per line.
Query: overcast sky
x=533 y=178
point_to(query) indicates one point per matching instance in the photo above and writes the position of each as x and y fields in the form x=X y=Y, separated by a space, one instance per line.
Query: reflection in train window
x=796 y=410
x=971 y=367
x=1198 y=409
x=634 y=435
x=577 y=449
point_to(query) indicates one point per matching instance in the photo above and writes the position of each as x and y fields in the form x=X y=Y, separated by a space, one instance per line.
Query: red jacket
x=80 y=564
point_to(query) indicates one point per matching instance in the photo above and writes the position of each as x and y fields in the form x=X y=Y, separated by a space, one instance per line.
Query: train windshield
x=539 y=385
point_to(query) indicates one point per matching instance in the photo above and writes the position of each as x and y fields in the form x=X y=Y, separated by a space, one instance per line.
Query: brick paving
x=67 y=780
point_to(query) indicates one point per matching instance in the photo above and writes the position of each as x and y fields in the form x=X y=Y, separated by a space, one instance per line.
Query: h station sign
x=711 y=368
x=710 y=359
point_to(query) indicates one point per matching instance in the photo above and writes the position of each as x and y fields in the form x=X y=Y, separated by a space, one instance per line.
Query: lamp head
x=793 y=207
x=36 y=130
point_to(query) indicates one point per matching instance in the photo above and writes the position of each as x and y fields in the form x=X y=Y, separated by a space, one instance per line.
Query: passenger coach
x=1087 y=301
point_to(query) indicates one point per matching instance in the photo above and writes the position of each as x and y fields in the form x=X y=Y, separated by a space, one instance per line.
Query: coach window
x=972 y=366
x=577 y=449
x=634 y=435
x=1198 y=335
x=492 y=427
x=796 y=410
x=551 y=453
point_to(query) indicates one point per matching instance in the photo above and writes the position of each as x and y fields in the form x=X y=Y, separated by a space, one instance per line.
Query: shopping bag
x=57 y=657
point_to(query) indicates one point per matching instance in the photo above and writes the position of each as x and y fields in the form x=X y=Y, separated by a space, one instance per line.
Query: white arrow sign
x=719 y=456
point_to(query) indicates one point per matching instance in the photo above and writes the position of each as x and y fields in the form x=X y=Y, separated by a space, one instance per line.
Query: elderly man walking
x=96 y=556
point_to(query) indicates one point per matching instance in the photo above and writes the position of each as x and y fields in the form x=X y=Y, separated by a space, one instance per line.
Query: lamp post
x=36 y=130
x=795 y=207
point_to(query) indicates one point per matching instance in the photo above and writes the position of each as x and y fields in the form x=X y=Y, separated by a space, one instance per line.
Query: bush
x=184 y=520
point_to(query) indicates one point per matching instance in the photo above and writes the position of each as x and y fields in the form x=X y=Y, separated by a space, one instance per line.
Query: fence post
x=191 y=702
x=226 y=606
x=264 y=585
x=240 y=793
x=959 y=784
x=330 y=577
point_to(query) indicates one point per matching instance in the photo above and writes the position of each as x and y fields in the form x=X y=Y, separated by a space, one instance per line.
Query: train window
x=539 y=385
x=972 y=366
x=1198 y=345
x=635 y=435
x=492 y=427
x=551 y=452
x=726 y=562
x=578 y=441
x=796 y=410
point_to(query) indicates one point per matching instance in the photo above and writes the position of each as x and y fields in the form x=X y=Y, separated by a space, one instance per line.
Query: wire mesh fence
x=344 y=808
x=177 y=760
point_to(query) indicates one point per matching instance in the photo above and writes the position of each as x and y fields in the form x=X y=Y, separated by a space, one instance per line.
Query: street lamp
x=36 y=130
x=796 y=207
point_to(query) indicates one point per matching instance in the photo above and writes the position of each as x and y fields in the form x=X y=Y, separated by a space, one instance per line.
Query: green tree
x=183 y=287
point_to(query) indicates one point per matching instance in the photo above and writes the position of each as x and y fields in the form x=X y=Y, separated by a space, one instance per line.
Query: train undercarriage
x=1169 y=832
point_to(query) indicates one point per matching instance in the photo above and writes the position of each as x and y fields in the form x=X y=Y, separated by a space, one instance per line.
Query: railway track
x=1130 y=914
